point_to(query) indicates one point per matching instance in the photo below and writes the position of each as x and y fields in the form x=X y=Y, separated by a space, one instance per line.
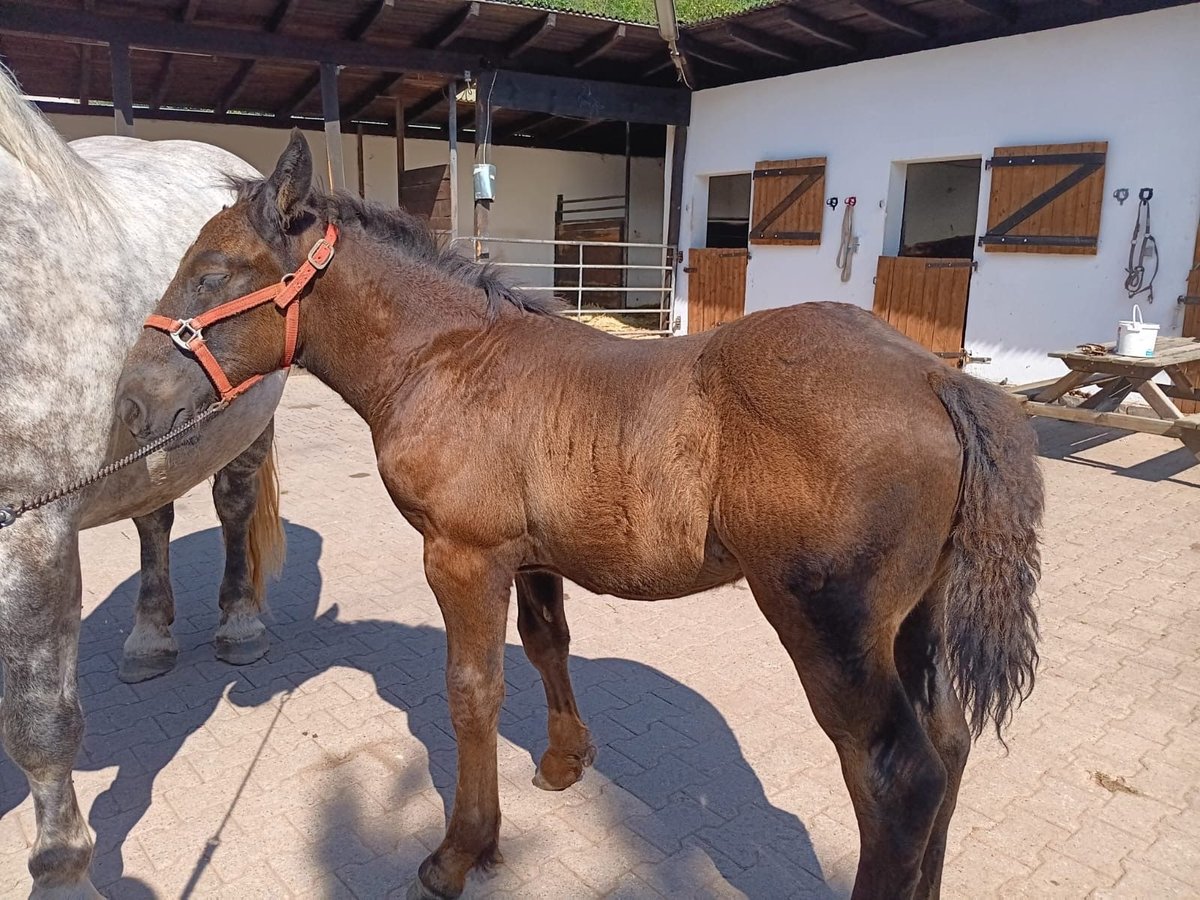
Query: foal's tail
x=267 y=541
x=994 y=560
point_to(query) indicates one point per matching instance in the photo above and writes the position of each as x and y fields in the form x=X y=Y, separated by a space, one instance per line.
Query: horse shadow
x=659 y=740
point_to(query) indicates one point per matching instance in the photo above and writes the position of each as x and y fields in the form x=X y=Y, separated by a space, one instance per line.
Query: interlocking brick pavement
x=326 y=769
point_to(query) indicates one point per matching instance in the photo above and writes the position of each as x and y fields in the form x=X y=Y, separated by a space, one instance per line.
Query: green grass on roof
x=643 y=10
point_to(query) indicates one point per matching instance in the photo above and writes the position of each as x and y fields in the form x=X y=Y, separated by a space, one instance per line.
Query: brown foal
x=888 y=527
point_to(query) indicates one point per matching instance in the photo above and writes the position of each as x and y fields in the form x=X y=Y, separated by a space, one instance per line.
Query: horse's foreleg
x=472 y=590
x=242 y=636
x=542 y=622
x=150 y=650
x=41 y=723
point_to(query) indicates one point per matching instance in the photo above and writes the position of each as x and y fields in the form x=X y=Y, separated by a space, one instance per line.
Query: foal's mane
x=401 y=231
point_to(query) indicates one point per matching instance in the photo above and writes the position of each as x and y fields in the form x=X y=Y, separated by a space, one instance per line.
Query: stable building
x=989 y=188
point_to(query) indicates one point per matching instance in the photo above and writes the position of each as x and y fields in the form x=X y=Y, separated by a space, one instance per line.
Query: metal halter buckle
x=186 y=333
x=320 y=254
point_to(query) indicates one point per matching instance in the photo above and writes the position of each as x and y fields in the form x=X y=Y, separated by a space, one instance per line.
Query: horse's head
x=190 y=354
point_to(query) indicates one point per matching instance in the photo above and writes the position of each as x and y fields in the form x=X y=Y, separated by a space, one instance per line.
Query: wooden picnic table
x=1119 y=376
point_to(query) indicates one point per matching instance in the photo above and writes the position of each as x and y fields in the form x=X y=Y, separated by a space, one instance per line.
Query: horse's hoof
x=142 y=668
x=84 y=890
x=541 y=781
x=242 y=653
x=418 y=891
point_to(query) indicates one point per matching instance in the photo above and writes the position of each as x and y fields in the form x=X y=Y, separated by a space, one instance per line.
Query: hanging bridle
x=188 y=334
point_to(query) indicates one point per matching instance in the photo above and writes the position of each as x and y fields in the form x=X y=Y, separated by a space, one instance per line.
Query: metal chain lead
x=10 y=514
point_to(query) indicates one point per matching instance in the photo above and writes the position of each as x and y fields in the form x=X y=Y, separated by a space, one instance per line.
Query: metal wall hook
x=1121 y=195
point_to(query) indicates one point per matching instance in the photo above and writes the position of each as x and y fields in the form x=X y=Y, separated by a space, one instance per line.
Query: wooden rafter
x=381 y=86
x=187 y=15
x=233 y=89
x=717 y=56
x=822 y=29
x=528 y=36
x=442 y=36
x=528 y=123
x=765 y=43
x=598 y=46
x=899 y=17
x=997 y=9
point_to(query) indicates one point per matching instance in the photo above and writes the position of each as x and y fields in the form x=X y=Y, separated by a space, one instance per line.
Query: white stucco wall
x=1133 y=81
x=527 y=180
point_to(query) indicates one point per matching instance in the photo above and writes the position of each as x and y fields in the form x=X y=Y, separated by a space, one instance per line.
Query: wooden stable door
x=1191 y=324
x=716 y=287
x=925 y=299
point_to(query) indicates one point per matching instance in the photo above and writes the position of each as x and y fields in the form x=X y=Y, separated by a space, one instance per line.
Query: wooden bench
x=1117 y=377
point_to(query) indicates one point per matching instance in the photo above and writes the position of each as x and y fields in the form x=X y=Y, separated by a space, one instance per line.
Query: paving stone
x=327 y=768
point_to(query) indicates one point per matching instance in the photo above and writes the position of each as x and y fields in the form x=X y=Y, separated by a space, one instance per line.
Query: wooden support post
x=675 y=210
x=453 y=127
x=333 y=126
x=627 y=231
x=675 y=201
x=399 y=151
x=483 y=138
x=362 y=168
x=122 y=89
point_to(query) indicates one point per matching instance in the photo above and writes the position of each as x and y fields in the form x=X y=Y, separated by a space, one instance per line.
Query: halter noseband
x=188 y=334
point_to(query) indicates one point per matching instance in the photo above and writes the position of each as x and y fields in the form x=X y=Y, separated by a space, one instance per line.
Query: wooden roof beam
x=528 y=36
x=445 y=33
x=235 y=86
x=765 y=43
x=997 y=9
x=578 y=129
x=527 y=124
x=424 y=105
x=357 y=29
x=898 y=17
x=81 y=27
x=450 y=27
x=187 y=15
x=384 y=84
x=717 y=56
x=822 y=29
x=598 y=46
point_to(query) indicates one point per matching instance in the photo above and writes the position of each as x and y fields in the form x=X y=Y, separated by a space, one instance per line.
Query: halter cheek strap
x=188 y=334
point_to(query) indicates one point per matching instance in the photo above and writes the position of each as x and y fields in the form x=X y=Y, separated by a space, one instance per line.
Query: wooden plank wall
x=1075 y=213
x=716 y=287
x=927 y=304
x=426 y=193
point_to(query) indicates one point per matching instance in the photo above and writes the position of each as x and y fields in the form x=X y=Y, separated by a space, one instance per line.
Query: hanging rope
x=849 y=245
x=1143 y=251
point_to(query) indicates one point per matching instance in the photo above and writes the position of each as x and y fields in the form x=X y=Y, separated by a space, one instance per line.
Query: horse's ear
x=291 y=181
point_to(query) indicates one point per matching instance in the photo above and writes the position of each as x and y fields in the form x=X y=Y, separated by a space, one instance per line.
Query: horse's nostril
x=132 y=413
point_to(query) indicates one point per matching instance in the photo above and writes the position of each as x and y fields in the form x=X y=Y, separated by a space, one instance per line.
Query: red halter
x=188 y=334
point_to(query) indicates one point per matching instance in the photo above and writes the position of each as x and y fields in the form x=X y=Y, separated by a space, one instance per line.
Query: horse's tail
x=267 y=543
x=994 y=558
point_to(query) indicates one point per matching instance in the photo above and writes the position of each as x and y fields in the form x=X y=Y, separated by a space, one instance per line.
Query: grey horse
x=92 y=234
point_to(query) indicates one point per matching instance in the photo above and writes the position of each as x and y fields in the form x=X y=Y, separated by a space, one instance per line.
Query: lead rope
x=849 y=244
x=1139 y=255
x=10 y=514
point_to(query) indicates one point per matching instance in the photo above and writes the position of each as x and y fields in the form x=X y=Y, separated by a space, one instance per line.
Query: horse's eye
x=213 y=281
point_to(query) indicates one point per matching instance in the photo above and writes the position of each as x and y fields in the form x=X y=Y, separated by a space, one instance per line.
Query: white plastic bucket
x=1135 y=337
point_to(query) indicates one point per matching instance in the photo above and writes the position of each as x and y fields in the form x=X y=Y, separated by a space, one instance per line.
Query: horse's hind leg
x=921 y=662
x=238 y=492
x=41 y=723
x=831 y=626
x=150 y=650
x=542 y=622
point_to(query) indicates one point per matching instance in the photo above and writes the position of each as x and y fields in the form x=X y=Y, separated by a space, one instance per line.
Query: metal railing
x=660 y=287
